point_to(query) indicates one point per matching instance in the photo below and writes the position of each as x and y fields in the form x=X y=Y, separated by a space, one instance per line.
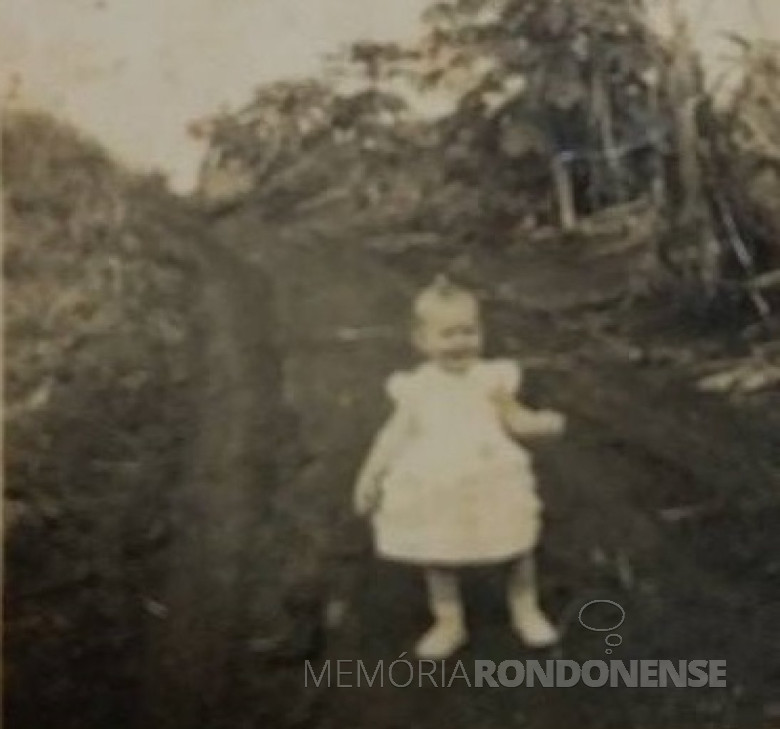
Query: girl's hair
x=440 y=292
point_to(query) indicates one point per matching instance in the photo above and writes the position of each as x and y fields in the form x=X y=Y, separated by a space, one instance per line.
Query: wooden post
x=565 y=192
x=693 y=218
x=683 y=92
x=602 y=110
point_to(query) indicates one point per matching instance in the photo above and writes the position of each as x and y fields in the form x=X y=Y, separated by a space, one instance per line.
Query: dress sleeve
x=506 y=376
x=393 y=435
x=399 y=388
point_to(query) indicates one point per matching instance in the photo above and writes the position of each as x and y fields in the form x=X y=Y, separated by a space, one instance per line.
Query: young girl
x=444 y=484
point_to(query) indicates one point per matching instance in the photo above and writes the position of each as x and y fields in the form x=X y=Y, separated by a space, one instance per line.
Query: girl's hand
x=550 y=422
x=525 y=423
x=367 y=497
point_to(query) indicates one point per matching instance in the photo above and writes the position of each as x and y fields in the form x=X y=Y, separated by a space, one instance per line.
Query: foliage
x=528 y=81
x=298 y=141
x=98 y=290
x=539 y=80
x=556 y=110
x=739 y=152
x=751 y=147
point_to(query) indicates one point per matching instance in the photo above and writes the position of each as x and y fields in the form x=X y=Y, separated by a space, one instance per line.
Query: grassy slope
x=98 y=295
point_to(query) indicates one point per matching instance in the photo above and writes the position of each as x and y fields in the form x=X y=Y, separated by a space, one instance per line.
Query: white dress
x=456 y=489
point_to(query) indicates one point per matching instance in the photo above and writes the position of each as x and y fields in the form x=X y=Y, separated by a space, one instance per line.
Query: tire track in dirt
x=202 y=608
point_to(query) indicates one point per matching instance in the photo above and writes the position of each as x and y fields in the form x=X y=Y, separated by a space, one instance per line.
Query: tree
x=565 y=81
x=556 y=110
x=301 y=142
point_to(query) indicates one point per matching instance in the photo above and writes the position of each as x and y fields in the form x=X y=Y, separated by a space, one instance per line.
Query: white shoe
x=442 y=639
x=533 y=628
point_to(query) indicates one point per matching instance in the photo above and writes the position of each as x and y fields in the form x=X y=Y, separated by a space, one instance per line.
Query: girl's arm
x=522 y=422
x=387 y=445
x=525 y=423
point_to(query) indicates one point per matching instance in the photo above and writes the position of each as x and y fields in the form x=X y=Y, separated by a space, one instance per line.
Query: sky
x=134 y=73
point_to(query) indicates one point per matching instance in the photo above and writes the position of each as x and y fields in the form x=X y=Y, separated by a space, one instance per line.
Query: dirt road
x=701 y=586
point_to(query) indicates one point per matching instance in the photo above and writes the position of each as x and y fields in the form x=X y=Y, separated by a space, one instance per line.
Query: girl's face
x=451 y=334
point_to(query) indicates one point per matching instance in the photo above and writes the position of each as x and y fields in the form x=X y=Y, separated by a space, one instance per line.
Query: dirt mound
x=99 y=292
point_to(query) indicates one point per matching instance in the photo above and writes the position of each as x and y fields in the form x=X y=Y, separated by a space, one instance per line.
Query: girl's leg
x=528 y=620
x=448 y=632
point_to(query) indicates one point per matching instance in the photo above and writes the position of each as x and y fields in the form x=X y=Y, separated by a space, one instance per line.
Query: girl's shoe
x=533 y=627
x=442 y=639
